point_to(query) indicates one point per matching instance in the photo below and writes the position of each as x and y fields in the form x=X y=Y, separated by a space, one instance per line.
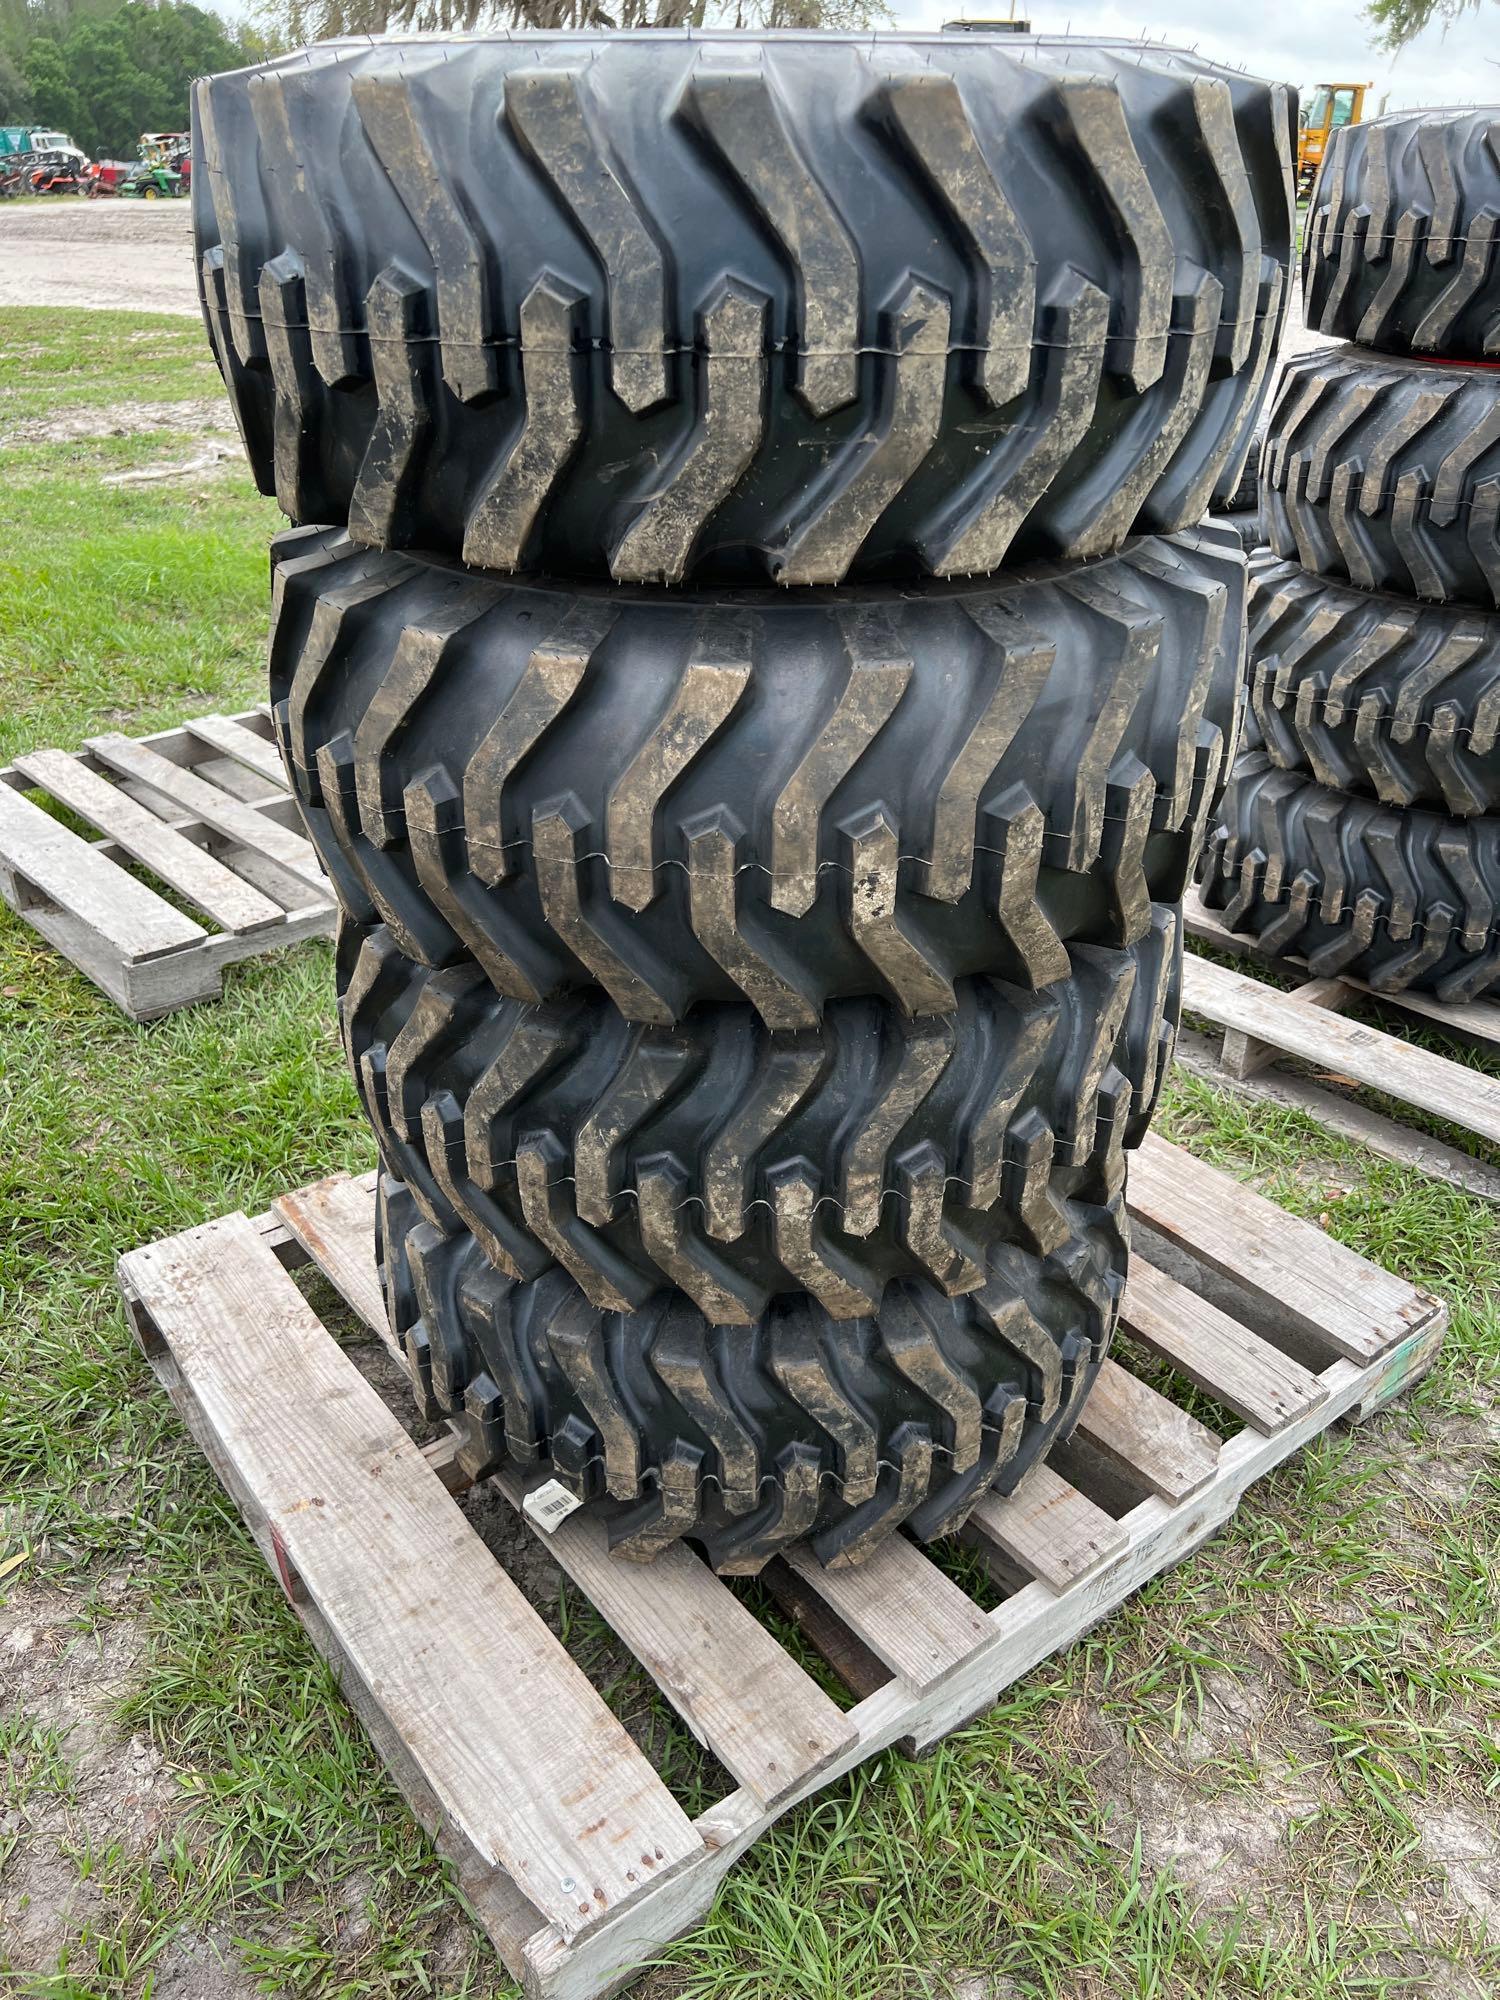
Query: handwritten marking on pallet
x=1133 y=1427
x=1054 y=1532
x=1366 y=1055
x=1235 y=1366
x=222 y=895
x=428 y=1623
x=1336 y=1296
x=734 y=1685
x=231 y=817
x=902 y=1607
x=334 y=1221
x=233 y=739
x=67 y=872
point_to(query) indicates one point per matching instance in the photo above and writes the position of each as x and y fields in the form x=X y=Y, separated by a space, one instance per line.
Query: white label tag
x=549 y=1504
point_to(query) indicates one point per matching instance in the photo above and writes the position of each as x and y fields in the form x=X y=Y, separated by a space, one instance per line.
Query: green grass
x=1311 y=1694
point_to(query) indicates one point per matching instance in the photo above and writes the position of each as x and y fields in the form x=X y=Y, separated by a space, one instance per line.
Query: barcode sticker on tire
x=548 y=1505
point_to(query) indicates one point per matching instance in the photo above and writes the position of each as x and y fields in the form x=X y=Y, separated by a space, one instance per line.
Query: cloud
x=1292 y=41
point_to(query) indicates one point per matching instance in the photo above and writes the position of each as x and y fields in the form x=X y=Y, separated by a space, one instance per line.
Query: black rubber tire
x=1373 y=693
x=1394 y=897
x=953 y=780
x=1386 y=471
x=740 y=1163
x=1246 y=526
x=1243 y=498
x=747 y=1440
x=687 y=307
x=1400 y=240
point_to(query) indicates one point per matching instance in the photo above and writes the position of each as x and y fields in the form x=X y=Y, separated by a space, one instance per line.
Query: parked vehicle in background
x=22 y=141
x=1330 y=107
x=55 y=173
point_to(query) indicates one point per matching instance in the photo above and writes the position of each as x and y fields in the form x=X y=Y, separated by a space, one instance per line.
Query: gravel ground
x=135 y=256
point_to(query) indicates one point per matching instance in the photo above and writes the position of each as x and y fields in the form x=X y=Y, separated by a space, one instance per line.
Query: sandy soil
x=130 y=255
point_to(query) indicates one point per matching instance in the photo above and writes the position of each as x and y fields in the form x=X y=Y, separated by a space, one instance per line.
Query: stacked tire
x=1360 y=831
x=760 y=700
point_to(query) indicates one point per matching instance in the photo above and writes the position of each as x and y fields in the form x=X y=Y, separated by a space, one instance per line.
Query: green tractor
x=152 y=181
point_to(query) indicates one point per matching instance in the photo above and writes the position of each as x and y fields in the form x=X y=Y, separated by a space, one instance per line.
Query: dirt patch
x=103 y=255
x=193 y=416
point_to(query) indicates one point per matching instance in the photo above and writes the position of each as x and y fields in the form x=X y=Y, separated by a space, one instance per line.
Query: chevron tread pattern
x=750 y=1439
x=774 y=797
x=1399 y=898
x=1375 y=694
x=1387 y=471
x=934 y=305
x=664 y=1154
x=1401 y=239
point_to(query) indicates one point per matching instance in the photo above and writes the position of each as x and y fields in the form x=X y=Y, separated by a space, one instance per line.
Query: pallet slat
x=1050 y=1529
x=1335 y=1296
x=1235 y=1366
x=431 y=1626
x=334 y=1221
x=233 y=739
x=230 y=817
x=768 y=1723
x=232 y=903
x=131 y=918
x=1365 y=1055
x=1140 y=1432
x=902 y=1607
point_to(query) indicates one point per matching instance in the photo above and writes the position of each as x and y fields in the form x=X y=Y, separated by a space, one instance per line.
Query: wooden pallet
x=1263 y=1026
x=576 y=1857
x=206 y=811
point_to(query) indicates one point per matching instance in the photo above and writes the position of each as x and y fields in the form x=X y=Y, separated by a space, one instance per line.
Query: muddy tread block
x=780 y=797
x=929 y=304
x=1400 y=242
x=751 y=1440
x=666 y=1152
x=1386 y=472
x=1394 y=896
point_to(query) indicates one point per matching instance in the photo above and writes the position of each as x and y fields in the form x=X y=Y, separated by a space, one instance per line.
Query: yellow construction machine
x=1327 y=107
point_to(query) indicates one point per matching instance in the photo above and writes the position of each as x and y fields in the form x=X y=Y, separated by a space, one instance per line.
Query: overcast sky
x=1293 y=41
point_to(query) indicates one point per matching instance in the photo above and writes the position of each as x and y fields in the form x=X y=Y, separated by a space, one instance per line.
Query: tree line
x=108 y=72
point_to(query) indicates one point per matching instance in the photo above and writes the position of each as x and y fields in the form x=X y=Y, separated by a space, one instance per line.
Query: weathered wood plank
x=232 y=739
x=1243 y=1056
x=1130 y=1425
x=1340 y=1300
x=522 y=1755
x=1366 y=1055
x=1048 y=1529
x=334 y=1221
x=738 y=1690
x=1235 y=1366
x=216 y=890
x=902 y=1607
x=230 y=817
x=130 y=917
x=1471 y=1020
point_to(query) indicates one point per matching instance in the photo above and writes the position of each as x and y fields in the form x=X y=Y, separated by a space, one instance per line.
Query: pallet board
x=205 y=811
x=570 y=1848
x=1262 y=1027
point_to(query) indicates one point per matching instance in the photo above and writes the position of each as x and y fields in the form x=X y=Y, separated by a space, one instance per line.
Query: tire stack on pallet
x=753 y=984
x=1360 y=834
